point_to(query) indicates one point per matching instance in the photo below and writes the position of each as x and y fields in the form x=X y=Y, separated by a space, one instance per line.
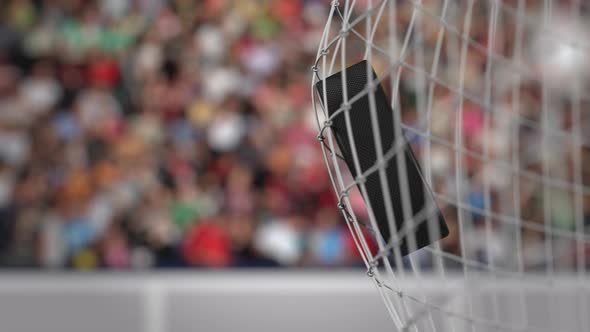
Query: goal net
x=455 y=133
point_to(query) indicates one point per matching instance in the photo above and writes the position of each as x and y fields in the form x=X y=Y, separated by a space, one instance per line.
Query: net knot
x=343 y=33
x=335 y=3
x=371 y=274
x=328 y=123
x=341 y=205
x=314 y=69
x=320 y=137
x=324 y=52
x=346 y=106
x=361 y=179
x=373 y=264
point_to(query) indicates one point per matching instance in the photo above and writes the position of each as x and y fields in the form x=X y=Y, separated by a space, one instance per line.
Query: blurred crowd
x=153 y=133
x=139 y=133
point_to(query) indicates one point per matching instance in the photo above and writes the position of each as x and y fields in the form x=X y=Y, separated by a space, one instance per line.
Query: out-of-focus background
x=137 y=135
x=150 y=133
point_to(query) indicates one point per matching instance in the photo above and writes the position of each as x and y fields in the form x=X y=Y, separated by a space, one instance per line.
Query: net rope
x=418 y=45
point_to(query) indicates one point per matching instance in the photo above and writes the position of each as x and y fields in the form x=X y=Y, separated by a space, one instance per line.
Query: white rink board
x=262 y=300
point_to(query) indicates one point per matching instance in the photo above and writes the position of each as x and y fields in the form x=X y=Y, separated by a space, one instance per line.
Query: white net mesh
x=492 y=96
